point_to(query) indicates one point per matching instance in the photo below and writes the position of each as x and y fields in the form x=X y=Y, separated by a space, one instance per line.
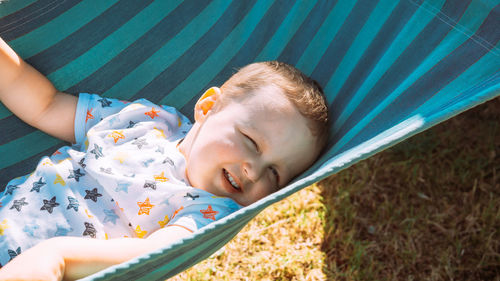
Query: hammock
x=390 y=69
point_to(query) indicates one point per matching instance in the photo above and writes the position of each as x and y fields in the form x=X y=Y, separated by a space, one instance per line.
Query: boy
x=143 y=171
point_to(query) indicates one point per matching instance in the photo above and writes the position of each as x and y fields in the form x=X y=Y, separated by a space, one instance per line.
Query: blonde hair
x=305 y=93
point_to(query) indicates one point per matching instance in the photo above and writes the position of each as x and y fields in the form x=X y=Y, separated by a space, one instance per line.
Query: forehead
x=268 y=99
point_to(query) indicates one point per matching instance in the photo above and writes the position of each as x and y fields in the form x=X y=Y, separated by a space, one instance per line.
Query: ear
x=206 y=103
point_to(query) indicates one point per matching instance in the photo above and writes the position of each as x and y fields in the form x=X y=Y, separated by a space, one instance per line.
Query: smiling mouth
x=231 y=180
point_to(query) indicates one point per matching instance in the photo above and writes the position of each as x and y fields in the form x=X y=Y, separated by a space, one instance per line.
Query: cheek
x=217 y=147
x=265 y=188
x=223 y=141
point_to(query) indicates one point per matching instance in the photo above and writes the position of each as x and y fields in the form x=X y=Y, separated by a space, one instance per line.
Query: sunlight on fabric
x=377 y=143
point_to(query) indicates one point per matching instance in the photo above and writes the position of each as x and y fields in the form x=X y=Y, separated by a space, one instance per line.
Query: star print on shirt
x=153 y=113
x=97 y=151
x=89 y=230
x=89 y=115
x=145 y=207
x=110 y=216
x=75 y=174
x=169 y=161
x=159 y=133
x=13 y=253
x=18 y=204
x=140 y=143
x=161 y=177
x=31 y=228
x=62 y=230
x=107 y=171
x=3 y=226
x=164 y=222
x=105 y=102
x=92 y=194
x=209 y=213
x=189 y=195
x=116 y=135
x=131 y=124
x=147 y=162
x=49 y=205
x=160 y=150
x=122 y=186
x=73 y=204
x=150 y=184
x=139 y=232
x=121 y=156
x=59 y=180
x=37 y=185
x=88 y=215
x=10 y=188
x=82 y=164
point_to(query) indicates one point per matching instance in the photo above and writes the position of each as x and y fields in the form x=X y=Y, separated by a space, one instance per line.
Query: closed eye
x=276 y=175
x=256 y=146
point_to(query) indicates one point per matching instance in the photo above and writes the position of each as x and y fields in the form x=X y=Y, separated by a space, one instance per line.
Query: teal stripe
x=285 y=32
x=59 y=28
x=201 y=248
x=194 y=251
x=9 y=7
x=467 y=26
x=25 y=147
x=414 y=26
x=112 y=45
x=364 y=38
x=220 y=57
x=177 y=254
x=479 y=72
x=454 y=39
x=472 y=19
x=4 y=112
x=165 y=56
x=477 y=98
x=318 y=45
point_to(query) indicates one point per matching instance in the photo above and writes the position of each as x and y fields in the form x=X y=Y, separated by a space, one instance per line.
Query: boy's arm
x=71 y=258
x=33 y=98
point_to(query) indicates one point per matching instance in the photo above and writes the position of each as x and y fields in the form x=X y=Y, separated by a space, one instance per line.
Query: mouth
x=231 y=180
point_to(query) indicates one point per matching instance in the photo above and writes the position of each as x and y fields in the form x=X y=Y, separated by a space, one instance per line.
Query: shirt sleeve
x=90 y=110
x=195 y=216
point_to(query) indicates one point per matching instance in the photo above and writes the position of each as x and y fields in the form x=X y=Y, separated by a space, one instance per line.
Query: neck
x=186 y=143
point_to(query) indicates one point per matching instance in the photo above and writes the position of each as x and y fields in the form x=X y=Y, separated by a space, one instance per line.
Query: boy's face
x=249 y=147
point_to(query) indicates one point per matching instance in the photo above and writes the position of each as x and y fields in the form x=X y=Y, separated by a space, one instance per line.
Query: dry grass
x=426 y=209
x=281 y=243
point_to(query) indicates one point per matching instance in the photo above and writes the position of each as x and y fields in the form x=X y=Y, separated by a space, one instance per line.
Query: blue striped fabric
x=390 y=69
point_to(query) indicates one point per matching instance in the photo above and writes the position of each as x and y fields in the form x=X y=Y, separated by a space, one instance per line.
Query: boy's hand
x=33 y=98
x=41 y=262
x=75 y=257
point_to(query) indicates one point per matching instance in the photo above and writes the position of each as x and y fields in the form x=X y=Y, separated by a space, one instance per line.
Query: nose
x=253 y=170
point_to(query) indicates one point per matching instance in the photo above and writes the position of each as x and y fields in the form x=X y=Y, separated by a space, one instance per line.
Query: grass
x=425 y=209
